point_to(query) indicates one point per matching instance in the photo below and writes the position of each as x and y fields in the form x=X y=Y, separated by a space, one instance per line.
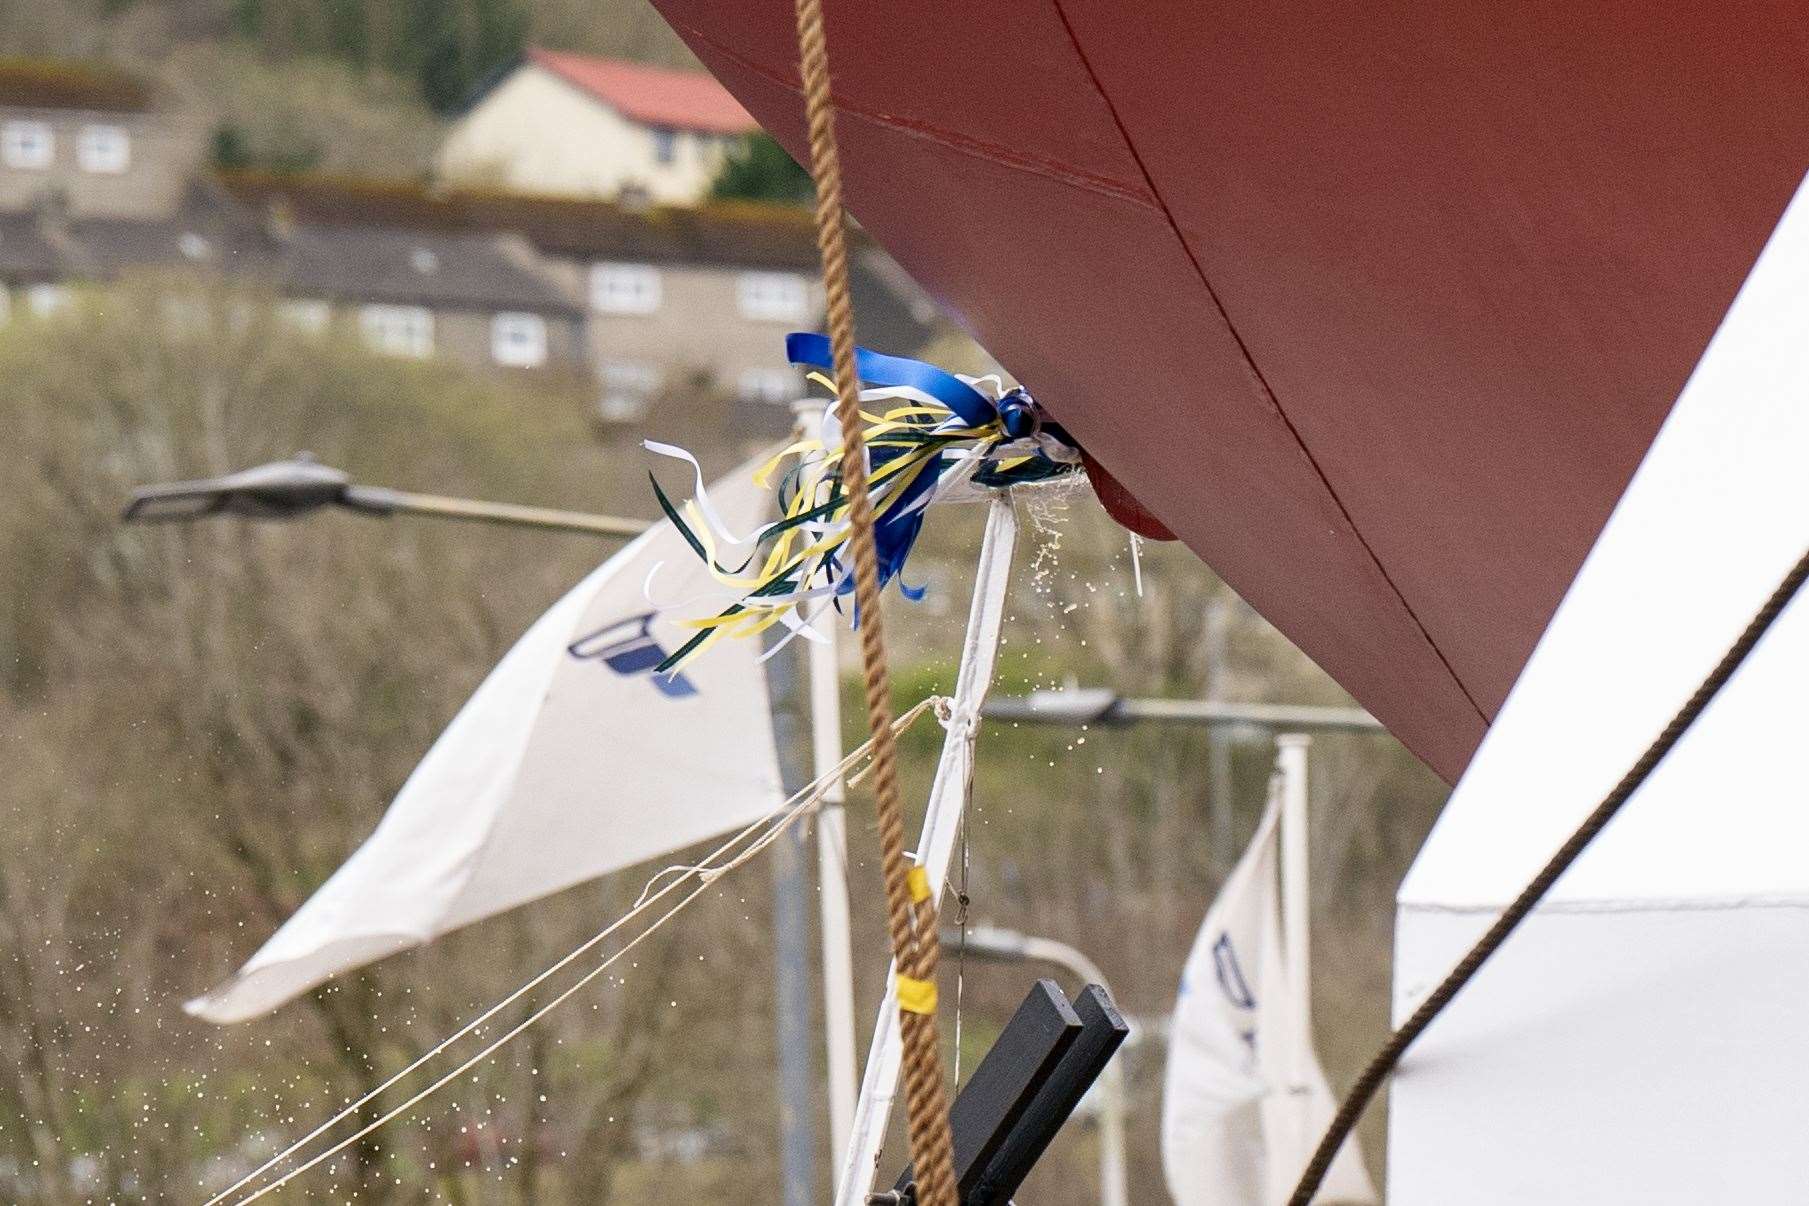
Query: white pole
x=832 y=888
x=1291 y=761
x=832 y=867
x=1113 y=1178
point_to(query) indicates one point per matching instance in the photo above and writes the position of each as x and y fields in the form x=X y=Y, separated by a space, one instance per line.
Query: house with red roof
x=573 y=125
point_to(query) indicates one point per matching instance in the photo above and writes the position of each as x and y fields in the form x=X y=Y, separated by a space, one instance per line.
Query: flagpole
x=832 y=868
x=1291 y=761
x=832 y=892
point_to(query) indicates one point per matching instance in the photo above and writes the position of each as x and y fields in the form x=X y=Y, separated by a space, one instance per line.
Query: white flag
x=1234 y=1131
x=572 y=759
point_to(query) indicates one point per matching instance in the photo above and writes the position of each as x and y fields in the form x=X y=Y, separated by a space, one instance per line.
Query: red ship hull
x=1376 y=306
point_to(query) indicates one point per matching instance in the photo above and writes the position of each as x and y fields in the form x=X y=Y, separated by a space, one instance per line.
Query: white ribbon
x=701 y=493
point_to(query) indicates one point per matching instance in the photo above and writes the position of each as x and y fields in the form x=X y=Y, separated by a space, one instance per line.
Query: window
x=627 y=387
x=104 y=149
x=305 y=314
x=769 y=385
x=518 y=340
x=27 y=144
x=46 y=299
x=398 y=330
x=665 y=144
x=773 y=296
x=624 y=288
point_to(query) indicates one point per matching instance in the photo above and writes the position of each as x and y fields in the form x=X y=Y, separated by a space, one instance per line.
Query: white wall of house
x=534 y=132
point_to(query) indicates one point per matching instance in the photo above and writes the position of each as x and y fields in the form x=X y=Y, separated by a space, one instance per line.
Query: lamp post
x=1106 y=708
x=301 y=485
x=1011 y=946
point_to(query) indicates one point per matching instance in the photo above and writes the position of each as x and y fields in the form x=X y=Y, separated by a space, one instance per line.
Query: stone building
x=679 y=303
x=90 y=140
x=474 y=296
x=657 y=306
x=479 y=297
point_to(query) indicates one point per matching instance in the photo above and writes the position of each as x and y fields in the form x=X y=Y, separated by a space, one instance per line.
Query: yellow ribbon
x=793 y=552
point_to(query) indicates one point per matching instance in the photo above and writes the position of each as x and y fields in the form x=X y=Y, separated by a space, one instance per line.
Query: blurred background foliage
x=762 y=170
x=201 y=722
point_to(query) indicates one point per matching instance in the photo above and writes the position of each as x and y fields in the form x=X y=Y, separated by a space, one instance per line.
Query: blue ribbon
x=877 y=368
x=896 y=532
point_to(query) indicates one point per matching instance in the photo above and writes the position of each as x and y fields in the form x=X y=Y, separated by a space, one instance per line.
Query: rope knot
x=958 y=719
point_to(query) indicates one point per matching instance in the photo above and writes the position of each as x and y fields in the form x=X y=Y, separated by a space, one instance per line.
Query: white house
x=572 y=125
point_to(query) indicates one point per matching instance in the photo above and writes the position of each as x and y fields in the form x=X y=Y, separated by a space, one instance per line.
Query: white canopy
x=1641 y=1038
x=571 y=760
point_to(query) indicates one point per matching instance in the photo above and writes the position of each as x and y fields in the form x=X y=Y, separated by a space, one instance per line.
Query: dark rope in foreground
x=1385 y=1060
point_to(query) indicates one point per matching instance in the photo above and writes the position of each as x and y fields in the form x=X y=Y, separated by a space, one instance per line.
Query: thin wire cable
x=805 y=799
x=477 y=1059
x=911 y=924
x=962 y=899
x=1357 y=1100
x=455 y=1036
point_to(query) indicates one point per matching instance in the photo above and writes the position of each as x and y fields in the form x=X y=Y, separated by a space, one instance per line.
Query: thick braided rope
x=913 y=935
x=1385 y=1060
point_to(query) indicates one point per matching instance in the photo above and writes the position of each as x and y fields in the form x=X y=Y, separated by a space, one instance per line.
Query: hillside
x=356 y=86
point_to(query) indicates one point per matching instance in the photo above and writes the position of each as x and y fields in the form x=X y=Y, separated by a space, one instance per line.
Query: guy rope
x=1385 y=1060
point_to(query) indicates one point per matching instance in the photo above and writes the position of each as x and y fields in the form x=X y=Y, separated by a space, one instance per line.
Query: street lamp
x=301 y=485
x=1106 y=708
x=1225 y=722
x=1011 y=946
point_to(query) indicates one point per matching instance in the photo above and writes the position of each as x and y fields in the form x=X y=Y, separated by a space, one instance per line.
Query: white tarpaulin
x=1641 y=1038
x=571 y=760
x=1234 y=1132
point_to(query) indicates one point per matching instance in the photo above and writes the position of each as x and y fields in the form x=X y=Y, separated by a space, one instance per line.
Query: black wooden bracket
x=1030 y=1082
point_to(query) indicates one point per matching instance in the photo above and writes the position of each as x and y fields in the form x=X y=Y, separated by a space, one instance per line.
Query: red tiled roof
x=655 y=96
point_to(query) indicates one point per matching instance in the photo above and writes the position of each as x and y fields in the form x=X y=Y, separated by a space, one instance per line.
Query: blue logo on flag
x=1231 y=974
x=628 y=647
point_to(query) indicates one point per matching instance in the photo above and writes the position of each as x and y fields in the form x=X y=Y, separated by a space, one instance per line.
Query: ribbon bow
x=945 y=435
